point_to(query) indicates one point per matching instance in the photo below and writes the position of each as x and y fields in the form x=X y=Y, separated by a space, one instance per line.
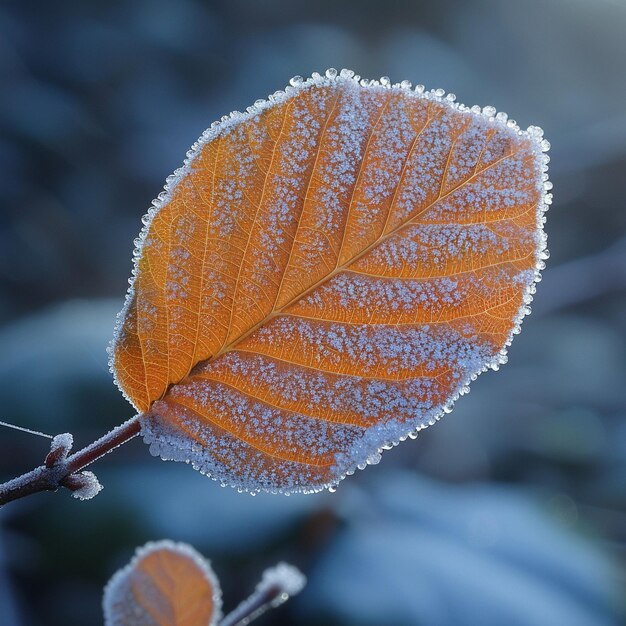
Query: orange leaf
x=166 y=584
x=325 y=275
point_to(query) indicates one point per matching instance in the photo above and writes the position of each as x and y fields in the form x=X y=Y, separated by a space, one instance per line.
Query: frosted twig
x=50 y=478
x=278 y=584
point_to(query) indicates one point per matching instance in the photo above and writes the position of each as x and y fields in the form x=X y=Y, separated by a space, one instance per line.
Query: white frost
x=59 y=449
x=64 y=441
x=88 y=486
x=283 y=576
x=118 y=603
x=277 y=585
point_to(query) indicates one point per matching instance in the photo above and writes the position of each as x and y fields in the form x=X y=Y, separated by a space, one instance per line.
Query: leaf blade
x=386 y=260
x=165 y=584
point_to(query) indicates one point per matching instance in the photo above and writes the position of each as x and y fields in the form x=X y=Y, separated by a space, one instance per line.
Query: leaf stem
x=259 y=602
x=44 y=478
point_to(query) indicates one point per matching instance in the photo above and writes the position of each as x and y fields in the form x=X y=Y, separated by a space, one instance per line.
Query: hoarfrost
x=59 y=449
x=285 y=577
x=63 y=441
x=84 y=485
x=302 y=405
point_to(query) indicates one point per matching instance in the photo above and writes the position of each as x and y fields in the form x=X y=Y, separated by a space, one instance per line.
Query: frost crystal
x=59 y=449
x=63 y=441
x=277 y=585
x=84 y=485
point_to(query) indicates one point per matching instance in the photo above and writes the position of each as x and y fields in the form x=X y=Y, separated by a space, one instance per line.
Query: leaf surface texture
x=166 y=584
x=325 y=275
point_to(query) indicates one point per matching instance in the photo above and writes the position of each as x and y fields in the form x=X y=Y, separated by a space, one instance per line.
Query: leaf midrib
x=341 y=268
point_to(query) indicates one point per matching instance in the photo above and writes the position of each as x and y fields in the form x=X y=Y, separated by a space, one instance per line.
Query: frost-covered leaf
x=325 y=275
x=166 y=584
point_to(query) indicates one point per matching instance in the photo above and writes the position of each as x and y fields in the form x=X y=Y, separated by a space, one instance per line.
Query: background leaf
x=325 y=275
x=166 y=584
x=414 y=551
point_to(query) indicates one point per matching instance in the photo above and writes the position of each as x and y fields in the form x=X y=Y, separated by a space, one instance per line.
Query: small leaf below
x=166 y=584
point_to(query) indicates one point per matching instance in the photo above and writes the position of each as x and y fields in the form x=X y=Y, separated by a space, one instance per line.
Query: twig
x=51 y=478
x=278 y=584
x=251 y=608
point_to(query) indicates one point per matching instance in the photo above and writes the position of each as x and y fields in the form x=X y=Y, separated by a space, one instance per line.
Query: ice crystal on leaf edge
x=382 y=436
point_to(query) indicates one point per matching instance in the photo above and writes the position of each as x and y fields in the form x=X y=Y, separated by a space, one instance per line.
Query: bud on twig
x=59 y=449
x=83 y=485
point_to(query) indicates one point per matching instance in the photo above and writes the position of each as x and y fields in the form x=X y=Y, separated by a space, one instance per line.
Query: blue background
x=512 y=510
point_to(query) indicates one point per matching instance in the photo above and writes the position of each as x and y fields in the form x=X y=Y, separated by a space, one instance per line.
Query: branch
x=62 y=471
x=278 y=584
x=251 y=608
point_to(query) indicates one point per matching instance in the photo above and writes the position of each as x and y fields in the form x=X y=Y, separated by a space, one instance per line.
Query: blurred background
x=512 y=510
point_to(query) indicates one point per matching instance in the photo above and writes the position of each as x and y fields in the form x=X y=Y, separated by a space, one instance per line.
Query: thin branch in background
x=26 y=430
x=65 y=471
x=278 y=584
